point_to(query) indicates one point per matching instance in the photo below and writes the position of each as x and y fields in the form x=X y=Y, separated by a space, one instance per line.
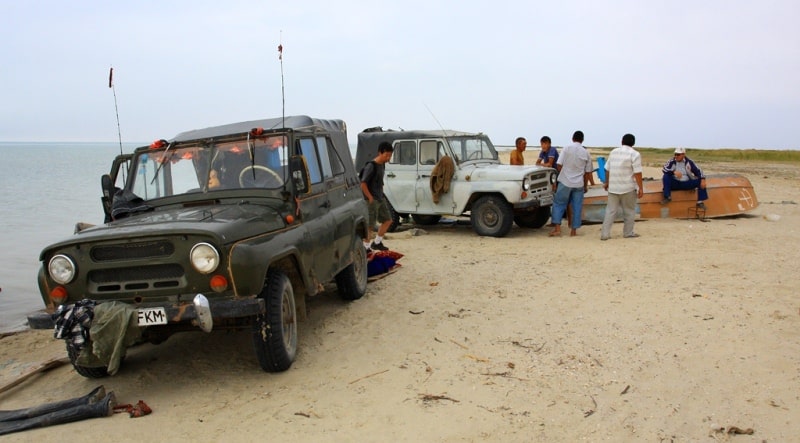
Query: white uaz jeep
x=493 y=194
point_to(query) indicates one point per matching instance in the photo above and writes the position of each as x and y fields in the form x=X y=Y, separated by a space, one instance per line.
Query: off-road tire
x=72 y=353
x=351 y=281
x=275 y=331
x=492 y=216
x=533 y=220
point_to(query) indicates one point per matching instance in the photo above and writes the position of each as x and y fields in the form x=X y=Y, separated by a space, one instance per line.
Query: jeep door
x=317 y=245
x=341 y=199
x=400 y=177
x=430 y=152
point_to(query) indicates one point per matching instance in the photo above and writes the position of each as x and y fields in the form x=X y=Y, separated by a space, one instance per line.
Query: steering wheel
x=258 y=176
x=474 y=155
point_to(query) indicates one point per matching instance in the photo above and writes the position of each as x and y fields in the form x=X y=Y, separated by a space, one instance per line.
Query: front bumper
x=542 y=200
x=183 y=313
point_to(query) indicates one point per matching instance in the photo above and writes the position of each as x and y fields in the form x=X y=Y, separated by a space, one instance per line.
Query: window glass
x=337 y=167
x=428 y=152
x=405 y=153
x=324 y=158
x=307 y=149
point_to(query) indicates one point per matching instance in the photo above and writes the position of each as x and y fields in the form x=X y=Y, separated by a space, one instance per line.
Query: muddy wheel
x=275 y=331
x=426 y=220
x=83 y=370
x=533 y=220
x=492 y=216
x=352 y=280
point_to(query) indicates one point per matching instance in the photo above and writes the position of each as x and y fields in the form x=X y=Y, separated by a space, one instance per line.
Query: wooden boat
x=728 y=194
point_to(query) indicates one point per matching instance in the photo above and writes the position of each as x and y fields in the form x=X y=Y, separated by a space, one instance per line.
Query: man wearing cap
x=682 y=173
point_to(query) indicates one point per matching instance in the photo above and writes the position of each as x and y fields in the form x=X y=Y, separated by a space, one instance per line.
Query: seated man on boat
x=682 y=173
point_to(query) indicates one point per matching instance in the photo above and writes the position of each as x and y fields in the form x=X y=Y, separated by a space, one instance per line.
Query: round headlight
x=526 y=184
x=61 y=269
x=204 y=258
x=553 y=177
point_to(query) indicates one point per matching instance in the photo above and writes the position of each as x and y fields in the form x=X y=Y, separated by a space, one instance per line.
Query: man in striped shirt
x=623 y=177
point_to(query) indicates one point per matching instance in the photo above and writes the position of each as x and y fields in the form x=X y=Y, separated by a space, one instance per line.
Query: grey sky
x=697 y=73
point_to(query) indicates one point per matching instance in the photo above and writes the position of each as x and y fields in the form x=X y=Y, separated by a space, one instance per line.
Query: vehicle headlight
x=526 y=184
x=61 y=269
x=553 y=177
x=204 y=258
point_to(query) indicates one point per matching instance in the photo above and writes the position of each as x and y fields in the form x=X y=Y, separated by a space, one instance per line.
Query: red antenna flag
x=111 y=77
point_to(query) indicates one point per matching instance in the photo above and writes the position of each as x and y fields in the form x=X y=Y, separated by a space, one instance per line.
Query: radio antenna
x=444 y=132
x=283 y=94
x=116 y=109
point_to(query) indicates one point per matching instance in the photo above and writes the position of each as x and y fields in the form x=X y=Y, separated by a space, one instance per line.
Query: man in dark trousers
x=682 y=173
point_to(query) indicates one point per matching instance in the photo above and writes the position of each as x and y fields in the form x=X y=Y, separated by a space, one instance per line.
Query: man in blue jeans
x=575 y=167
x=682 y=173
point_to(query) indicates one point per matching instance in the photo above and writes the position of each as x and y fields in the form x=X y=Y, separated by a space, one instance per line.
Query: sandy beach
x=690 y=332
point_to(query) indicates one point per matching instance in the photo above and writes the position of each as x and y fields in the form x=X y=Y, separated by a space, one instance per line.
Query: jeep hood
x=495 y=171
x=226 y=222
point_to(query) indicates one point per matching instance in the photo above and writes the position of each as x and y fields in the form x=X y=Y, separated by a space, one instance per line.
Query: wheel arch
x=477 y=195
x=290 y=266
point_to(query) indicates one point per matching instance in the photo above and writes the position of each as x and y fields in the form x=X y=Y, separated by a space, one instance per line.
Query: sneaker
x=701 y=205
x=665 y=201
x=378 y=247
x=634 y=235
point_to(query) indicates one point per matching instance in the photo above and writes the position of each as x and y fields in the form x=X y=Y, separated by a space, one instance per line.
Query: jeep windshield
x=471 y=148
x=209 y=167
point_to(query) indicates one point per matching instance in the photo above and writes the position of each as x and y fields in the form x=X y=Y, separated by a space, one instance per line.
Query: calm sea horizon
x=47 y=189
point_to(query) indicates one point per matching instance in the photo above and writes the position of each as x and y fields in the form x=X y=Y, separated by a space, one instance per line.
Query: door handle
x=391 y=174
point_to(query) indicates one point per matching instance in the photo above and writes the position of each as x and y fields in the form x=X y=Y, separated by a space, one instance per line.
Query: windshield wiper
x=161 y=161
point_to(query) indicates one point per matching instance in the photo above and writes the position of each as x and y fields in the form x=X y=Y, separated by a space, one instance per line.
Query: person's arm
x=365 y=191
x=698 y=173
x=669 y=167
x=696 y=170
x=638 y=177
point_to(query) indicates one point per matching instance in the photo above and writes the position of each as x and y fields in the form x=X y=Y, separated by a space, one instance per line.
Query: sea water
x=45 y=189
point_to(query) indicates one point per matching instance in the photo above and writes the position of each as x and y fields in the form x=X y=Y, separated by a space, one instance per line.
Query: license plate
x=152 y=316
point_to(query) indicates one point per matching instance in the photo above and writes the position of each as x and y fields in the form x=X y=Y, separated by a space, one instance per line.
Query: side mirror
x=298 y=168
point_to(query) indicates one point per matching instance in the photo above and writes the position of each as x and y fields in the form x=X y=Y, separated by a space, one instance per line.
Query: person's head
x=628 y=140
x=521 y=143
x=545 y=143
x=577 y=136
x=680 y=153
x=385 y=151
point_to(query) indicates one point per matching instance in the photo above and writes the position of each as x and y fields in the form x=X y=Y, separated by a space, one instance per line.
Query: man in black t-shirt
x=372 y=187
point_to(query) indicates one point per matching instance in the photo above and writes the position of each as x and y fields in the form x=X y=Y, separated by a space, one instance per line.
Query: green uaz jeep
x=226 y=227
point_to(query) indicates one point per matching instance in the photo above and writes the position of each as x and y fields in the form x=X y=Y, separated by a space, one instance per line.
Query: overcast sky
x=708 y=74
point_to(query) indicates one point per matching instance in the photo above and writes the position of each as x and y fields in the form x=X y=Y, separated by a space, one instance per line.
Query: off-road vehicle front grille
x=136 y=278
x=133 y=251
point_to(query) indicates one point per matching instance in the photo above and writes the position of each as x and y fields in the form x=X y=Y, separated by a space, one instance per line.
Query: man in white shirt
x=574 y=170
x=623 y=177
